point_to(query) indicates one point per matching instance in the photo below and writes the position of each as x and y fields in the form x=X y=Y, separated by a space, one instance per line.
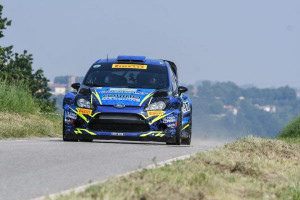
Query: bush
x=292 y=130
x=16 y=98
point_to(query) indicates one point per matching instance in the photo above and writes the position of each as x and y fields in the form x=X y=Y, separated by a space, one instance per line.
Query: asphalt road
x=30 y=168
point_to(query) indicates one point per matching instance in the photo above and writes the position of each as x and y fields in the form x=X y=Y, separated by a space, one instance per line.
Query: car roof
x=138 y=60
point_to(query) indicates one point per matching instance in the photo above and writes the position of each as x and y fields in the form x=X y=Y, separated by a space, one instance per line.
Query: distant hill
x=223 y=109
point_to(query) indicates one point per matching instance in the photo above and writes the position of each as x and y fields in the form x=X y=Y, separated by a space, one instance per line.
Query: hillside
x=223 y=109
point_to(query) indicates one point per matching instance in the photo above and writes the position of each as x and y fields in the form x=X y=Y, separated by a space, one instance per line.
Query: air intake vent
x=139 y=59
x=114 y=122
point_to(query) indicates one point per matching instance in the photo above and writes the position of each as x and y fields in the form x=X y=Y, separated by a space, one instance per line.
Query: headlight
x=160 y=105
x=83 y=103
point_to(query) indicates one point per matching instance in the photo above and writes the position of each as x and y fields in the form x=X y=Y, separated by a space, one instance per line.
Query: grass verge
x=15 y=125
x=16 y=98
x=250 y=168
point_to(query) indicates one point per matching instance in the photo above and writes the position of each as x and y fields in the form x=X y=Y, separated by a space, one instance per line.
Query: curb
x=82 y=188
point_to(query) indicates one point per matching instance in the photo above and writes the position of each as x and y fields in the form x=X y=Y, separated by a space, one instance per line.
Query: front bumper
x=130 y=123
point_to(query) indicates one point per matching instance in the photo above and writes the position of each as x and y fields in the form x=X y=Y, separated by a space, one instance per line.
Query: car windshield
x=127 y=76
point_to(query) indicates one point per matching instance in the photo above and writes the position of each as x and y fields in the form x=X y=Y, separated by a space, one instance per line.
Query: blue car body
x=123 y=112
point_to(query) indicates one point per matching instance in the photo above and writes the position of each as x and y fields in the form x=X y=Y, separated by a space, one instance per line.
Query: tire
x=65 y=138
x=187 y=141
x=177 y=140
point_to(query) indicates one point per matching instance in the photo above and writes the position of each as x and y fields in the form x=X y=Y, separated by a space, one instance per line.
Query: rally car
x=129 y=98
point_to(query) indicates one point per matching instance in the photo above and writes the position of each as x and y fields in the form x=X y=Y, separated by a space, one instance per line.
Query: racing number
x=185 y=107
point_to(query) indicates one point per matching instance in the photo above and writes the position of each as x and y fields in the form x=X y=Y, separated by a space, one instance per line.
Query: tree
x=17 y=68
x=216 y=107
x=4 y=22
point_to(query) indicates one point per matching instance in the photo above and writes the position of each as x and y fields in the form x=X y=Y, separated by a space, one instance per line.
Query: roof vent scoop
x=131 y=59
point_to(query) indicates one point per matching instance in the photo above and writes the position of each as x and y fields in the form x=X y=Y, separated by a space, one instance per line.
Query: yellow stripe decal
x=95 y=114
x=149 y=133
x=149 y=95
x=91 y=99
x=186 y=126
x=150 y=101
x=80 y=115
x=159 y=135
x=97 y=96
x=79 y=131
x=159 y=117
x=144 y=116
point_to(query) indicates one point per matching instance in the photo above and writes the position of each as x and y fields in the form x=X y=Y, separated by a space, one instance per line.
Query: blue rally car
x=129 y=98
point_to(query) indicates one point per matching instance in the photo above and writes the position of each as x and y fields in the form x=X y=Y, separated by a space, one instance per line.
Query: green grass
x=15 y=125
x=16 y=99
x=20 y=115
x=250 y=168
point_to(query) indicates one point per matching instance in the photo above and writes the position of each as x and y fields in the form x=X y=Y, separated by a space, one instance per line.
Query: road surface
x=30 y=168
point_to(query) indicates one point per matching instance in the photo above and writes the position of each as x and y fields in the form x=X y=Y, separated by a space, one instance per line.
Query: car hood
x=123 y=96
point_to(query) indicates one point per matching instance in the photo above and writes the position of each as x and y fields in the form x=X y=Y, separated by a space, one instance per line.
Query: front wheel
x=65 y=138
x=178 y=132
x=187 y=141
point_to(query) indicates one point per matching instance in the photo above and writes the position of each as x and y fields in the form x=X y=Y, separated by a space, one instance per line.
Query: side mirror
x=75 y=86
x=182 y=89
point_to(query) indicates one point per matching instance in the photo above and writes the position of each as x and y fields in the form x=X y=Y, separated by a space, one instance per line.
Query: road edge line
x=82 y=188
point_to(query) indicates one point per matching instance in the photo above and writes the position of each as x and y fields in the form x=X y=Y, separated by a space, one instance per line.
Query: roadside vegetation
x=21 y=116
x=24 y=95
x=292 y=131
x=16 y=99
x=14 y=125
x=250 y=168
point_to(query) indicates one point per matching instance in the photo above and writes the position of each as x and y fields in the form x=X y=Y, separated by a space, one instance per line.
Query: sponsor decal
x=117 y=134
x=155 y=113
x=123 y=91
x=69 y=121
x=121 y=97
x=185 y=107
x=173 y=125
x=169 y=119
x=85 y=111
x=70 y=115
x=129 y=66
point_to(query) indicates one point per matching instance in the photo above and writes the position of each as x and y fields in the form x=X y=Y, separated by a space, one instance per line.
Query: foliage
x=216 y=107
x=212 y=120
x=16 y=99
x=292 y=130
x=4 y=22
x=17 y=69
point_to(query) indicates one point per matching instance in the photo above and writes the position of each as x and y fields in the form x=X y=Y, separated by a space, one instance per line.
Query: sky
x=244 y=41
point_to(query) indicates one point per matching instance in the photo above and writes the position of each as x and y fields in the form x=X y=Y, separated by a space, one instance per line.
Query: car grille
x=110 y=122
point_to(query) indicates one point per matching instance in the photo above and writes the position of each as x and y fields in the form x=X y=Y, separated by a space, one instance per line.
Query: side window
x=174 y=82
